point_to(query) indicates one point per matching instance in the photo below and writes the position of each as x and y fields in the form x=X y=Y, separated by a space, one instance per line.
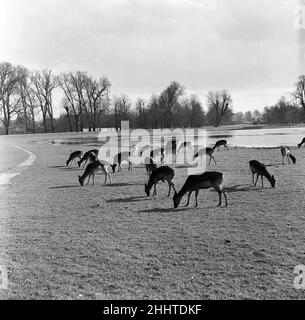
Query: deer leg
x=288 y=159
x=214 y=159
x=155 y=189
x=225 y=195
x=256 y=180
x=93 y=179
x=188 y=198
x=262 y=182
x=210 y=160
x=169 y=189
x=88 y=179
x=219 y=194
x=196 y=195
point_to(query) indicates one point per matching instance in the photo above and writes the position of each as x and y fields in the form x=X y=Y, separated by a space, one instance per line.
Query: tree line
x=26 y=104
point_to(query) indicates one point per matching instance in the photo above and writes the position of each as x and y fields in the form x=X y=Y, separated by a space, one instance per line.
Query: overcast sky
x=248 y=47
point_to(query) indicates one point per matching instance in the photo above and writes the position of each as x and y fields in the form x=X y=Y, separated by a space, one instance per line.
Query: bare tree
x=140 y=109
x=95 y=89
x=66 y=106
x=299 y=91
x=168 y=99
x=44 y=83
x=9 y=89
x=219 y=104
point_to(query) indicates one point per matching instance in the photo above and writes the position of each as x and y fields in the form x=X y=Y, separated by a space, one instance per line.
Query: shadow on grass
x=70 y=169
x=54 y=167
x=128 y=199
x=237 y=188
x=123 y=184
x=64 y=187
x=240 y=188
x=164 y=210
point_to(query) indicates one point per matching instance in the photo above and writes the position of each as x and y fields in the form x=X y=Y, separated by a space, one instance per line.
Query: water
x=259 y=137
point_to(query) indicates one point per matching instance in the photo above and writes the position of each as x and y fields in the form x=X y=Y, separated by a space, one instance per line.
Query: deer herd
x=155 y=174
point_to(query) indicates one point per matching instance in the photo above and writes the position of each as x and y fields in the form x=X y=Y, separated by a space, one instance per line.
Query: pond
x=259 y=137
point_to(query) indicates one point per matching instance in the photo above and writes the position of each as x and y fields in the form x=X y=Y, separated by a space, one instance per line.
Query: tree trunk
x=45 y=124
x=69 y=120
x=52 y=125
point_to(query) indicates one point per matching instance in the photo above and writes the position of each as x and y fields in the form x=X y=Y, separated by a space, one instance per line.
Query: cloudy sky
x=248 y=47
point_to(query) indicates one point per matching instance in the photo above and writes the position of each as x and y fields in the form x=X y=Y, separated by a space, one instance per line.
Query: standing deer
x=220 y=143
x=73 y=156
x=90 y=156
x=163 y=173
x=184 y=145
x=118 y=158
x=203 y=152
x=260 y=169
x=285 y=151
x=91 y=169
x=301 y=143
x=194 y=183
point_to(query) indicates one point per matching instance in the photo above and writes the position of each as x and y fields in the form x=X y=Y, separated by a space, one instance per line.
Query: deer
x=205 y=151
x=184 y=145
x=301 y=143
x=206 y=180
x=144 y=148
x=73 y=156
x=90 y=156
x=220 y=143
x=260 y=169
x=150 y=165
x=156 y=152
x=163 y=173
x=118 y=158
x=285 y=151
x=91 y=169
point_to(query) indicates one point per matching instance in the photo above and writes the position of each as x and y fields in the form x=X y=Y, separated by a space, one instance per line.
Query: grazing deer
x=163 y=173
x=260 y=169
x=194 y=183
x=144 y=148
x=184 y=145
x=287 y=153
x=91 y=169
x=203 y=152
x=221 y=143
x=118 y=158
x=90 y=156
x=156 y=152
x=150 y=165
x=302 y=142
x=73 y=156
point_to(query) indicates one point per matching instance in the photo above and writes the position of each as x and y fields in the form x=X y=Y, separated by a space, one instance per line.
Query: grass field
x=63 y=241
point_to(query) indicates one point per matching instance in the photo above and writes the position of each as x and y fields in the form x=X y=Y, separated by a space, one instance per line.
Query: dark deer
x=194 y=183
x=73 y=156
x=260 y=169
x=163 y=173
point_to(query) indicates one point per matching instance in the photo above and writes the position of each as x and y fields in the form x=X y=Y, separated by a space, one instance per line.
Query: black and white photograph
x=152 y=150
